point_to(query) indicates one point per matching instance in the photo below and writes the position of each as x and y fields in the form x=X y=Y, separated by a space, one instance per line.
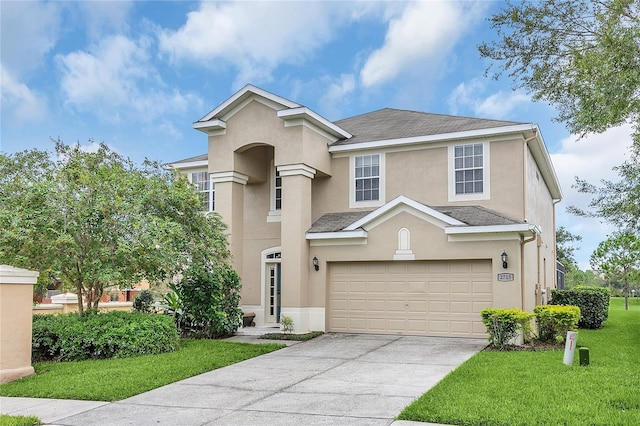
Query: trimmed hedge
x=592 y=301
x=555 y=320
x=73 y=337
x=503 y=325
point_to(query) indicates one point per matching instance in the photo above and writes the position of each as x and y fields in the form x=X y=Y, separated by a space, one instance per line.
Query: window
x=205 y=188
x=367 y=178
x=277 y=193
x=469 y=169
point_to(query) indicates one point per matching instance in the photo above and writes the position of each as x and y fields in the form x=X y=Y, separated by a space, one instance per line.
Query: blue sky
x=137 y=74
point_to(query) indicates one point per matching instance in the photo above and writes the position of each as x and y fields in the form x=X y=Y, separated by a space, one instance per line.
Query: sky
x=137 y=74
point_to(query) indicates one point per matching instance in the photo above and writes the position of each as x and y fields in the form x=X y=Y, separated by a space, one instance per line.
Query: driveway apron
x=335 y=379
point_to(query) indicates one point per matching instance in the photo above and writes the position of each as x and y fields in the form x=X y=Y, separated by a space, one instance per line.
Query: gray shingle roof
x=470 y=215
x=334 y=222
x=389 y=123
x=196 y=158
x=476 y=215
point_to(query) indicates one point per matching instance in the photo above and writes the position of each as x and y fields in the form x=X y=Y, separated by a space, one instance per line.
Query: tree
x=94 y=219
x=615 y=202
x=564 y=250
x=581 y=56
x=618 y=258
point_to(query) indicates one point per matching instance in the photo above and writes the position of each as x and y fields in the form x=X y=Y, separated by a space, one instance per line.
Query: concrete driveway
x=335 y=379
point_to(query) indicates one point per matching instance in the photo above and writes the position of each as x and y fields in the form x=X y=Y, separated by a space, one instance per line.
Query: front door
x=273 y=293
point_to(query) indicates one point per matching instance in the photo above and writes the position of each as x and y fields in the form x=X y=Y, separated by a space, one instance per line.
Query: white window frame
x=352 y=182
x=486 y=174
x=210 y=192
x=275 y=214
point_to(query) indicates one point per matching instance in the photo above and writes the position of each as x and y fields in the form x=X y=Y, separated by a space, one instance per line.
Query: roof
x=469 y=215
x=389 y=123
x=201 y=157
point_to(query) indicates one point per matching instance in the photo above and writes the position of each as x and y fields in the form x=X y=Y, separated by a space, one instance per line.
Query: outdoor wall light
x=505 y=259
x=316 y=265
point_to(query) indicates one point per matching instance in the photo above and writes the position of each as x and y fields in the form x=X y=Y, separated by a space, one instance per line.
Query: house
x=392 y=221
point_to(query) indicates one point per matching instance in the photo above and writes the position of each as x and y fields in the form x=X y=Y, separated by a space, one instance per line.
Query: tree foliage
x=564 y=249
x=581 y=56
x=618 y=259
x=94 y=219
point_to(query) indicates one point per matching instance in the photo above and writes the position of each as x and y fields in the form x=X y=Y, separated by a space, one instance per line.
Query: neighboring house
x=388 y=222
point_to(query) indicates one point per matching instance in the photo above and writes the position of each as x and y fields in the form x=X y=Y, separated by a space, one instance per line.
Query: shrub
x=209 y=302
x=503 y=325
x=555 y=320
x=592 y=301
x=74 y=337
x=287 y=324
x=143 y=302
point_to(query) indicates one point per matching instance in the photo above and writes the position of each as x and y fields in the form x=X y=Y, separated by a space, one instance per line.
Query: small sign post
x=570 y=347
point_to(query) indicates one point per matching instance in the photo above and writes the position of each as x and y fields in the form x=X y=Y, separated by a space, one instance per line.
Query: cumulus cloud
x=102 y=17
x=28 y=31
x=116 y=78
x=336 y=94
x=257 y=37
x=591 y=158
x=421 y=37
x=470 y=96
x=18 y=101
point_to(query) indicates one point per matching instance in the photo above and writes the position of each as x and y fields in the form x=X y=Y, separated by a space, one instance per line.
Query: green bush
x=143 y=302
x=592 y=301
x=503 y=325
x=209 y=303
x=74 y=337
x=555 y=320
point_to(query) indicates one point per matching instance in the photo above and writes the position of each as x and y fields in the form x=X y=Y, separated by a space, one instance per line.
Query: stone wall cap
x=13 y=275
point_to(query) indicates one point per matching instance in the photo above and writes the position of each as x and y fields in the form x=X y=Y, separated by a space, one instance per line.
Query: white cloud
x=592 y=159
x=28 y=30
x=101 y=17
x=336 y=95
x=116 y=79
x=420 y=38
x=499 y=105
x=17 y=100
x=257 y=37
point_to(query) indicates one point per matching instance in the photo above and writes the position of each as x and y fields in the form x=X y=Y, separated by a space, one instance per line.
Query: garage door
x=430 y=298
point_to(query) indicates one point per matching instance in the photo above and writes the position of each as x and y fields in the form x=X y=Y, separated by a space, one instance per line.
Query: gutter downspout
x=522 y=281
x=555 y=244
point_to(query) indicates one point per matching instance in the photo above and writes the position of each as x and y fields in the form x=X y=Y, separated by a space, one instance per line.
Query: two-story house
x=392 y=221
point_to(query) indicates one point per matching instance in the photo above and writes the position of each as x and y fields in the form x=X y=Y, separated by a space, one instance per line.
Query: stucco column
x=229 y=203
x=16 y=316
x=296 y=264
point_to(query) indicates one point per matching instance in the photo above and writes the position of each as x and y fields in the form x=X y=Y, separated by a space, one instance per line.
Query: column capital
x=235 y=177
x=297 y=169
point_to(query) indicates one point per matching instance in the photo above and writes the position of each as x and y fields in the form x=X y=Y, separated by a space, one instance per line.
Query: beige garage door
x=430 y=298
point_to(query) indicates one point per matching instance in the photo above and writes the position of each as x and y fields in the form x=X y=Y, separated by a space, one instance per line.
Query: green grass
x=115 y=379
x=535 y=388
x=7 y=420
x=297 y=337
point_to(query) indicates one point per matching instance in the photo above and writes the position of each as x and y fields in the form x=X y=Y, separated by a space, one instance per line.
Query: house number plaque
x=505 y=277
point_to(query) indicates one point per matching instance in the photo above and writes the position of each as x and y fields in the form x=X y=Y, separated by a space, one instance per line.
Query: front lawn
x=115 y=379
x=535 y=388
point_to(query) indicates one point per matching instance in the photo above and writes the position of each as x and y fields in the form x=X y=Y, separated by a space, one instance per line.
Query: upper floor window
x=205 y=188
x=469 y=169
x=367 y=180
x=469 y=172
x=367 y=175
x=277 y=191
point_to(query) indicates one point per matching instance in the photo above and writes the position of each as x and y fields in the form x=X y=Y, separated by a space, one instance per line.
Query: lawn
x=536 y=388
x=115 y=379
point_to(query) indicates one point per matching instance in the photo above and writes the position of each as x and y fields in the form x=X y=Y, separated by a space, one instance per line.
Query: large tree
x=618 y=259
x=581 y=56
x=94 y=219
x=564 y=248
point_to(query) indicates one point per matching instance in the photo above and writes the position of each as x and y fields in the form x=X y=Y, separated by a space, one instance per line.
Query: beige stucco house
x=392 y=221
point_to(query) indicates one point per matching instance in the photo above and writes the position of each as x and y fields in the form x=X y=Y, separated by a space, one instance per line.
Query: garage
x=427 y=298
